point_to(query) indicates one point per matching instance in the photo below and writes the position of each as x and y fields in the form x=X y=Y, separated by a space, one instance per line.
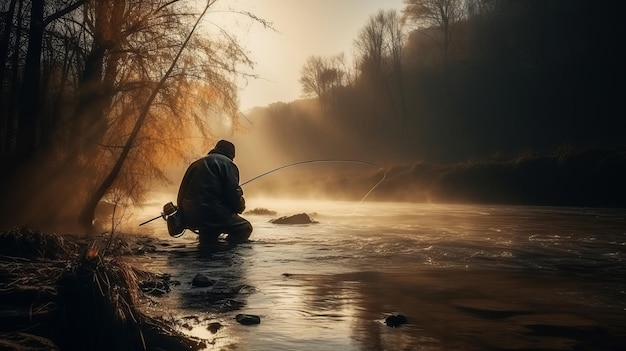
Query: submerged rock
x=214 y=327
x=202 y=281
x=300 y=218
x=247 y=319
x=395 y=320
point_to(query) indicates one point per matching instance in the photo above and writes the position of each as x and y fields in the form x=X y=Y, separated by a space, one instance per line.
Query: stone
x=395 y=320
x=202 y=281
x=300 y=218
x=247 y=319
x=213 y=327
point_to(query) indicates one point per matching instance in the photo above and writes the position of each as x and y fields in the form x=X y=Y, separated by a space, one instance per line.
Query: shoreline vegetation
x=587 y=178
x=62 y=292
x=590 y=178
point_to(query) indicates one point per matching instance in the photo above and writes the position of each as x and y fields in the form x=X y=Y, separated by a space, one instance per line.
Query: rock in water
x=213 y=327
x=395 y=320
x=300 y=218
x=247 y=319
x=202 y=281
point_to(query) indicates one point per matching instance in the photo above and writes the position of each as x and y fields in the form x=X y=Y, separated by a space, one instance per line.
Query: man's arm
x=233 y=192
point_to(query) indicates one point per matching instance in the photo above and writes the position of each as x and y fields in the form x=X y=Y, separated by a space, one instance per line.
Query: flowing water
x=466 y=277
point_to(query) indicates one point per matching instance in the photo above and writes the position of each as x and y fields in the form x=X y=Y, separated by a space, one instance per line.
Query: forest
x=503 y=78
x=499 y=101
x=100 y=98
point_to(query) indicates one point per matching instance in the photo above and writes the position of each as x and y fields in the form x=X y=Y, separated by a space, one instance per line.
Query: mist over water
x=466 y=277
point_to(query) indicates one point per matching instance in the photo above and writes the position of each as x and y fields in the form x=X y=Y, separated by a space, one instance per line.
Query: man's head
x=225 y=148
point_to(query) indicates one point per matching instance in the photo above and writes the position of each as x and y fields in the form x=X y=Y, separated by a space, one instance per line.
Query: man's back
x=209 y=191
x=210 y=197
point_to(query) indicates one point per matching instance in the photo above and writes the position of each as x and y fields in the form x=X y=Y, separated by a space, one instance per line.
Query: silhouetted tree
x=8 y=96
x=379 y=47
x=397 y=40
x=319 y=76
x=30 y=98
x=441 y=14
x=6 y=37
x=124 y=98
x=372 y=49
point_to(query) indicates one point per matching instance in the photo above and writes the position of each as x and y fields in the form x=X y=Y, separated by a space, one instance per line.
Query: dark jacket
x=209 y=193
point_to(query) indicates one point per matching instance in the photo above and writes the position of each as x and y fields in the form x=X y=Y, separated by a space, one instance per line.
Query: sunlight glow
x=303 y=28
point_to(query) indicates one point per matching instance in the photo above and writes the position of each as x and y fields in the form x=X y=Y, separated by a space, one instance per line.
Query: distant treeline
x=592 y=178
x=515 y=76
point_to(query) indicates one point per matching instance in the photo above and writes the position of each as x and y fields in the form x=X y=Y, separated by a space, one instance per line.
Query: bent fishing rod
x=172 y=210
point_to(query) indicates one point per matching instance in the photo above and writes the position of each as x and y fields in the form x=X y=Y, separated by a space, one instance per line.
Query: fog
x=520 y=104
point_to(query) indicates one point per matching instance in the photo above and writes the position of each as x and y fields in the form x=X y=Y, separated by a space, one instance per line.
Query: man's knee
x=240 y=232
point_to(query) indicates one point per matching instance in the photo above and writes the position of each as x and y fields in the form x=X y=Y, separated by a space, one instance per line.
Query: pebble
x=202 y=281
x=395 y=320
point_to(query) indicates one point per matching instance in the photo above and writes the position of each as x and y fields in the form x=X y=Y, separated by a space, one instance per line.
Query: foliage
x=101 y=62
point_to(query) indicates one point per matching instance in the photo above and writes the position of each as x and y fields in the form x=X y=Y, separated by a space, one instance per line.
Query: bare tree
x=379 y=46
x=88 y=211
x=30 y=95
x=6 y=36
x=7 y=101
x=372 y=49
x=396 y=39
x=131 y=95
x=319 y=76
x=443 y=15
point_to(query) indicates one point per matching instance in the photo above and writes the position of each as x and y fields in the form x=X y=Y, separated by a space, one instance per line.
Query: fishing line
x=323 y=161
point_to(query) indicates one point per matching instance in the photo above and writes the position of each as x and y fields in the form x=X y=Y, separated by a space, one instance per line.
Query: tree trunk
x=9 y=141
x=29 y=99
x=89 y=120
x=4 y=43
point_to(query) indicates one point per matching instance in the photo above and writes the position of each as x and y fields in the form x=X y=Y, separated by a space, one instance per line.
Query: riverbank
x=70 y=293
x=585 y=178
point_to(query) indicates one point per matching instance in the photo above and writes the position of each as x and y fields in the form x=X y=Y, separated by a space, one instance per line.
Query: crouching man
x=210 y=198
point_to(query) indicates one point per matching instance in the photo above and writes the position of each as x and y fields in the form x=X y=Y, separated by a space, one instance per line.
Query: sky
x=303 y=28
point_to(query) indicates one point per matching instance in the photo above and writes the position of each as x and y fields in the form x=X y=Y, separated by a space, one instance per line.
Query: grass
x=77 y=296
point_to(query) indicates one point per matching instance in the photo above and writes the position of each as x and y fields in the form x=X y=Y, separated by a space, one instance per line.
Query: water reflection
x=452 y=309
x=466 y=277
x=203 y=312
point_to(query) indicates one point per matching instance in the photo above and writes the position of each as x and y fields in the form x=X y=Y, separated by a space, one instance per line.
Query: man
x=210 y=198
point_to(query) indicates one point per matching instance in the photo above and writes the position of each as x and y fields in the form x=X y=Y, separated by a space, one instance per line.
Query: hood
x=225 y=148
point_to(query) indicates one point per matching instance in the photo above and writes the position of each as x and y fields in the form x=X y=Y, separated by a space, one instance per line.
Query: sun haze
x=303 y=28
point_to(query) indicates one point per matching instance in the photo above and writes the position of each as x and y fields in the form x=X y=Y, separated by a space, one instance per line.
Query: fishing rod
x=169 y=208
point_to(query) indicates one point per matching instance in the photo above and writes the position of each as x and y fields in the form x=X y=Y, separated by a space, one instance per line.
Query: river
x=466 y=277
